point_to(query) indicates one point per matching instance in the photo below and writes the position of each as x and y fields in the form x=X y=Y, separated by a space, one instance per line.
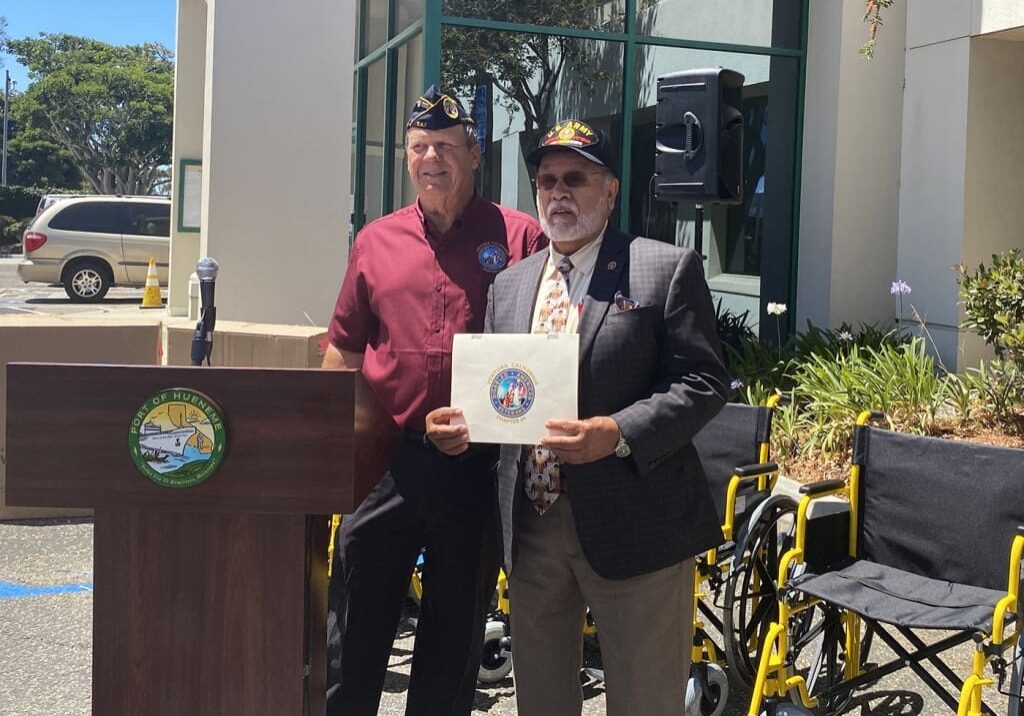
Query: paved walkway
x=46 y=621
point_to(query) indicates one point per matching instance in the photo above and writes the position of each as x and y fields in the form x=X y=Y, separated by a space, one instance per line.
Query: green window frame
x=431 y=25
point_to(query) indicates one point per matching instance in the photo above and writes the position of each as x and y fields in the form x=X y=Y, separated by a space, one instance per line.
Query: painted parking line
x=14 y=590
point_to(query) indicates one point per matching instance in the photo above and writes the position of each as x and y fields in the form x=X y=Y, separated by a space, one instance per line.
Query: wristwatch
x=622 y=449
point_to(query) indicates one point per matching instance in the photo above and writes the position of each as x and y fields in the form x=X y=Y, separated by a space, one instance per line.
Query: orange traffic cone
x=151 y=294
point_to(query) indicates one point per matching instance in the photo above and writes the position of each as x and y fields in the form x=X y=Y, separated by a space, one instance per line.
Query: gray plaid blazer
x=657 y=370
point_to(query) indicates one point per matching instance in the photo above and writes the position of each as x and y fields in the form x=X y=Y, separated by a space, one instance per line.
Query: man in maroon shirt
x=415 y=278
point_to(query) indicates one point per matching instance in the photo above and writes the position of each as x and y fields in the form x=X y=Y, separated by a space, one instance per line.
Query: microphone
x=202 y=339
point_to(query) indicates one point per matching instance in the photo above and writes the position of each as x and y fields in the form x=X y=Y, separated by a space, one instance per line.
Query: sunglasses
x=573 y=179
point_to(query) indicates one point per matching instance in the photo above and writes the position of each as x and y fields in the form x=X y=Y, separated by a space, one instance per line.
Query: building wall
x=997 y=16
x=276 y=156
x=187 y=143
x=993 y=210
x=849 y=212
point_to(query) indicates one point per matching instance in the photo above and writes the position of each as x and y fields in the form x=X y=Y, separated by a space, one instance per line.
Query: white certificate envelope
x=509 y=385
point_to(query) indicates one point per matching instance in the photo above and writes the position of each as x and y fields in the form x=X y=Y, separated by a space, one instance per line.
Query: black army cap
x=592 y=144
x=437 y=110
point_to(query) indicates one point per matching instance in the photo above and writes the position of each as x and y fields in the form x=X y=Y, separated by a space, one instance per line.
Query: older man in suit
x=610 y=509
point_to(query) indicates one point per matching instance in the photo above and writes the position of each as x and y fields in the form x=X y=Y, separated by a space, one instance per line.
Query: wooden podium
x=209 y=600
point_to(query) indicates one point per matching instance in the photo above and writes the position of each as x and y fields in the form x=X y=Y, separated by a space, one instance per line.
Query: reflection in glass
x=410 y=78
x=742 y=239
x=375 y=25
x=769 y=23
x=375 y=109
x=407 y=12
x=532 y=81
x=578 y=14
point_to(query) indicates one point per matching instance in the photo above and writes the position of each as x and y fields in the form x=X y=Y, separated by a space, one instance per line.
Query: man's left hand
x=584 y=440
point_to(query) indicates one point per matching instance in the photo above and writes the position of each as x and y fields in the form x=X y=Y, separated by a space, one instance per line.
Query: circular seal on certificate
x=177 y=437
x=492 y=257
x=512 y=393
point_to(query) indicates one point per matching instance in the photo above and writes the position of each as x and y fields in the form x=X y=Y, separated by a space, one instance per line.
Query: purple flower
x=899 y=288
x=736 y=384
x=845 y=336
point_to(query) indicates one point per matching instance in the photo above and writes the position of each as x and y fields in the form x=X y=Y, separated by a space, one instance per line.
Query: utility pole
x=7 y=112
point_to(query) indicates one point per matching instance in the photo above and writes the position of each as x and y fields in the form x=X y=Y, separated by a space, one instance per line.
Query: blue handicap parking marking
x=14 y=590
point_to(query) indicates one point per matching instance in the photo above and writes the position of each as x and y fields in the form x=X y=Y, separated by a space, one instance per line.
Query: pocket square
x=624 y=303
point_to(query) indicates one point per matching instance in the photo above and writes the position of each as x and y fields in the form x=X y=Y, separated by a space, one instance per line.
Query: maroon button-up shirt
x=406 y=292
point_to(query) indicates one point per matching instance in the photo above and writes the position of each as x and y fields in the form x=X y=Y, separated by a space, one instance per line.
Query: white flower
x=845 y=336
x=776 y=309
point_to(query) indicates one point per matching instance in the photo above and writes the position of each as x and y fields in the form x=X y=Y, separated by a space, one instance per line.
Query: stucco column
x=849 y=206
x=276 y=156
x=187 y=143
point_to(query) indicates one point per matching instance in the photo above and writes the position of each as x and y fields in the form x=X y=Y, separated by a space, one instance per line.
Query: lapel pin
x=612 y=265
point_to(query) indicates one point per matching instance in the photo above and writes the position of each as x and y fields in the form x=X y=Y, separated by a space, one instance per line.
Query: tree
x=33 y=158
x=526 y=67
x=110 y=108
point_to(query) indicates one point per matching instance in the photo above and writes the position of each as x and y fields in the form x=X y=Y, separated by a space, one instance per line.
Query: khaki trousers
x=644 y=624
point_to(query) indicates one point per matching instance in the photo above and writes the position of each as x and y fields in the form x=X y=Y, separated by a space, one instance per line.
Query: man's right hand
x=449 y=439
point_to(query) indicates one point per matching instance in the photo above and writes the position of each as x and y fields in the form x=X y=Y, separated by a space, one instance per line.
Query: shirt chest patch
x=492 y=257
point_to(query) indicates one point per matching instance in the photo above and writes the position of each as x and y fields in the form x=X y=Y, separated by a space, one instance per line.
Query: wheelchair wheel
x=707 y=690
x=1016 y=686
x=495 y=664
x=751 y=599
x=818 y=644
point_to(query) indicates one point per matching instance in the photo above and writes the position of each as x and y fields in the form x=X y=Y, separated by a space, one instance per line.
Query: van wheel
x=86 y=281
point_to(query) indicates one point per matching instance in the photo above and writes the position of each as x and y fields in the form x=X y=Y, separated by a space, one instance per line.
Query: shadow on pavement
x=95 y=304
x=887 y=703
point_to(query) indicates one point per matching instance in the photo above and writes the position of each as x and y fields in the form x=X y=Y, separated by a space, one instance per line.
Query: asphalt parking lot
x=18 y=298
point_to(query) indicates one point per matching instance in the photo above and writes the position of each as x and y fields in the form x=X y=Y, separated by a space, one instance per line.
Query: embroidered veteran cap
x=437 y=110
x=591 y=144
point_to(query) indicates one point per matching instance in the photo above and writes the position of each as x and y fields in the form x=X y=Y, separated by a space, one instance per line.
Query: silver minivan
x=89 y=244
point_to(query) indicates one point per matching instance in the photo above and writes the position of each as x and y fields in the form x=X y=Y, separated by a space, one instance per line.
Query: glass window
x=407 y=12
x=146 y=219
x=376 y=107
x=532 y=81
x=769 y=23
x=752 y=239
x=410 y=81
x=100 y=217
x=578 y=14
x=375 y=24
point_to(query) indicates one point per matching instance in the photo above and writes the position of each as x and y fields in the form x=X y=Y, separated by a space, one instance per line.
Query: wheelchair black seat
x=892 y=596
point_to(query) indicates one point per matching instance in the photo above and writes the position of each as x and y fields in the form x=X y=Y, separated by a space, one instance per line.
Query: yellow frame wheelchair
x=734 y=584
x=928 y=541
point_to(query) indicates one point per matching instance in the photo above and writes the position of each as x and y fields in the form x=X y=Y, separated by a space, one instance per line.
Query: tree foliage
x=526 y=67
x=33 y=158
x=109 y=107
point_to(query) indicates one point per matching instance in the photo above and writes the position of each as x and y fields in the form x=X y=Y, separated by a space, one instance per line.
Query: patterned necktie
x=543 y=472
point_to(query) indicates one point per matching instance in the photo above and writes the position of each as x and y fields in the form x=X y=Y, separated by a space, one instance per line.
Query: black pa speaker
x=699 y=137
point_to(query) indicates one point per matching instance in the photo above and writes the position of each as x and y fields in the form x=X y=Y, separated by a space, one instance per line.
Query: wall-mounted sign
x=190 y=195
x=177 y=437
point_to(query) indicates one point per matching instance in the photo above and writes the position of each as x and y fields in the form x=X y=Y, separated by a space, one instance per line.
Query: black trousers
x=445 y=506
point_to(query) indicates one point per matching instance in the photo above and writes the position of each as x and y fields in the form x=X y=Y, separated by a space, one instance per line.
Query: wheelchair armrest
x=817 y=488
x=755 y=470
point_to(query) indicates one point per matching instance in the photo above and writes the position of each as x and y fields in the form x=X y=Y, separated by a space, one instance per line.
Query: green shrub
x=900 y=380
x=993 y=299
x=19 y=202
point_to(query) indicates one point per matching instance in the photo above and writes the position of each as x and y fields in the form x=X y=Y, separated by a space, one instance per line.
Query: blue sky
x=119 y=22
